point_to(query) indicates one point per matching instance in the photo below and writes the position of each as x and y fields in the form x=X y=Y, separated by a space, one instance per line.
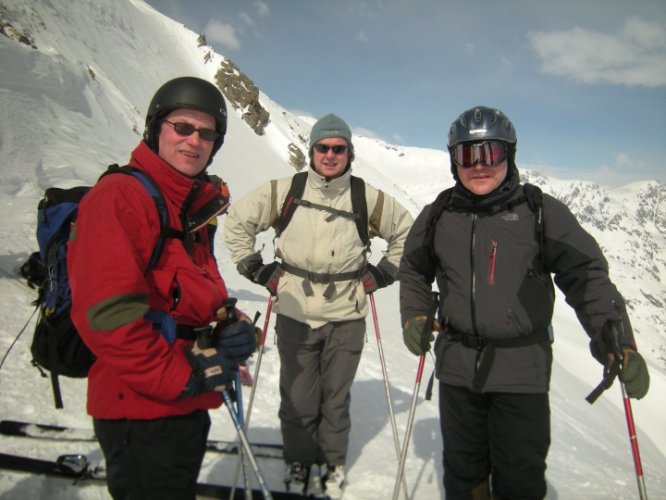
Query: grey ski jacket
x=316 y=242
x=493 y=284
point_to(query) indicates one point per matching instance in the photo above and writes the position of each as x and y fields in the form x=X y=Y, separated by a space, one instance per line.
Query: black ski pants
x=502 y=435
x=154 y=459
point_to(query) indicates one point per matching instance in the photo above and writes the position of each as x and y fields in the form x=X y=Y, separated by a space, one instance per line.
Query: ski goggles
x=488 y=154
x=338 y=149
x=186 y=129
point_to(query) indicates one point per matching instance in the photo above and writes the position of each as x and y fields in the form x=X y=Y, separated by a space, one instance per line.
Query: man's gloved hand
x=212 y=370
x=249 y=265
x=238 y=341
x=634 y=374
x=373 y=279
x=611 y=343
x=253 y=268
x=416 y=340
x=380 y=276
x=269 y=277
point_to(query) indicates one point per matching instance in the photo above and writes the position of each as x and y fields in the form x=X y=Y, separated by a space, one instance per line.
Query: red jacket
x=138 y=374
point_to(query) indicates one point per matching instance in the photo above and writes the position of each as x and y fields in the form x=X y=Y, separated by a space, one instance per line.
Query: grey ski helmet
x=186 y=92
x=482 y=123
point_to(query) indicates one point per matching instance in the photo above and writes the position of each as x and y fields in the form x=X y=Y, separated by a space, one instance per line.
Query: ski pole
x=246 y=423
x=427 y=330
x=634 y=444
x=230 y=306
x=611 y=333
x=387 y=389
x=241 y=454
x=246 y=446
x=408 y=432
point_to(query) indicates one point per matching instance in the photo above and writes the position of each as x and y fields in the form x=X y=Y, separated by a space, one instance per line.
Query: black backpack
x=359 y=206
x=56 y=345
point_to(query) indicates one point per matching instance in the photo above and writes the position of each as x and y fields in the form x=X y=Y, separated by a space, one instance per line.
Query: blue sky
x=583 y=81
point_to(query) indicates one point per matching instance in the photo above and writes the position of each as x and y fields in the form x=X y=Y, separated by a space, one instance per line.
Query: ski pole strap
x=429 y=387
x=611 y=371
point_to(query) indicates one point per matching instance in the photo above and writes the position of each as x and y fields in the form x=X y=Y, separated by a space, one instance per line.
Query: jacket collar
x=320 y=183
x=175 y=186
x=465 y=200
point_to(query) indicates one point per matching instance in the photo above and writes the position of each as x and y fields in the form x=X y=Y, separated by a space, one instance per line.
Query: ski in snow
x=78 y=469
x=62 y=433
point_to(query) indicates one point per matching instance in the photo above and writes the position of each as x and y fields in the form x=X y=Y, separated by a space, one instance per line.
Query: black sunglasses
x=186 y=129
x=338 y=149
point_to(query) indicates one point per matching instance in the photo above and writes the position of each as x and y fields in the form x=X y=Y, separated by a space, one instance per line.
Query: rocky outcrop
x=296 y=157
x=243 y=95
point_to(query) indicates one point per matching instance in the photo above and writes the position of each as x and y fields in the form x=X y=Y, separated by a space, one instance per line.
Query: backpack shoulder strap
x=293 y=199
x=360 y=207
x=295 y=192
x=534 y=198
x=441 y=203
x=154 y=191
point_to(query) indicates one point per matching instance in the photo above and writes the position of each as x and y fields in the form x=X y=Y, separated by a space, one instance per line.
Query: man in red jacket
x=151 y=385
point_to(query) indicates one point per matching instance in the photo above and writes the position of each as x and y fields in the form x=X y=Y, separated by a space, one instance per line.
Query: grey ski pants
x=317 y=369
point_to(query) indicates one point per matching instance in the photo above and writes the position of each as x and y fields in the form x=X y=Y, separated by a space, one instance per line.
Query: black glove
x=253 y=268
x=607 y=347
x=634 y=374
x=212 y=370
x=269 y=277
x=238 y=341
x=413 y=335
x=249 y=265
x=380 y=276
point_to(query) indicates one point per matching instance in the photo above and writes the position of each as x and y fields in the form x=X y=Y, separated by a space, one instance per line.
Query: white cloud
x=262 y=9
x=223 y=34
x=246 y=19
x=361 y=36
x=634 y=56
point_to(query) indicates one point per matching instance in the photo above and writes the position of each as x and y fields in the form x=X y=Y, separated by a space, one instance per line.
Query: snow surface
x=60 y=125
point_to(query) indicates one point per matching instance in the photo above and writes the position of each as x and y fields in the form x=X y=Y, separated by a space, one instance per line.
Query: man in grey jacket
x=320 y=280
x=492 y=251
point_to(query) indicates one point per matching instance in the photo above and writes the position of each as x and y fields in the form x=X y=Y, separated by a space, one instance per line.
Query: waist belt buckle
x=320 y=278
x=474 y=341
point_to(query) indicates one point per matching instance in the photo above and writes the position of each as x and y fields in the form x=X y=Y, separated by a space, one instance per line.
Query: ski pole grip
x=230 y=306
x=206 y=338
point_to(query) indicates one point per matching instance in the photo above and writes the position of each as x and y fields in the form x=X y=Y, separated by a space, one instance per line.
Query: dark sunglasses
x=488 y=154
x=185 y=129
x=324 y=148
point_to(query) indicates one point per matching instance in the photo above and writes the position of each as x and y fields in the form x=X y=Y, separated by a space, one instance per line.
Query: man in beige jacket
x=320 y=280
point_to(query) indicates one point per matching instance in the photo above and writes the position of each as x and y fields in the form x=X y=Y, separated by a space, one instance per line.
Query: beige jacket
x=317 y=242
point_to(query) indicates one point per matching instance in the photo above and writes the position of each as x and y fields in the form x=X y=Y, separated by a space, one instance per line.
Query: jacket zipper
x=491 y=269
